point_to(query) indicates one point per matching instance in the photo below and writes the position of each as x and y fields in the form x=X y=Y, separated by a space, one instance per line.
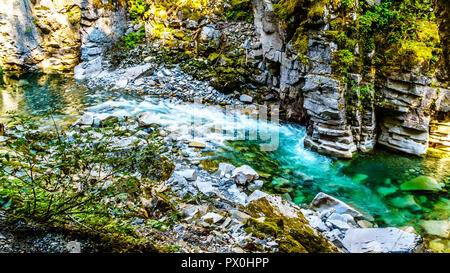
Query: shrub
x=343 y=61
x=56 y=177
x=134 y=38
x=240 y=10
x=137 y=8
x=405 y=33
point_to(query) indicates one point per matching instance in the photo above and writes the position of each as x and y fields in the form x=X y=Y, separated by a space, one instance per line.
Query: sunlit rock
x=323 y=202
x=86 y=119
x=384 y=240
x=148 y=119
x=197 y=144
x=439 y=228
x=425 y=183
x=244 y=174
x=225 y=169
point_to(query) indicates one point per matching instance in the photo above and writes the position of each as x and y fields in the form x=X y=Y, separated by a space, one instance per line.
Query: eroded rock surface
x=55 y=35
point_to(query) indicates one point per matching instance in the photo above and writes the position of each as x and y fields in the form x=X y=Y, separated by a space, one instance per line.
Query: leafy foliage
x=240 y=10
x=366 y=92
x=134 y=38
x=56 y=177
x=405 y=34
x=343 y=61
x=137 y=8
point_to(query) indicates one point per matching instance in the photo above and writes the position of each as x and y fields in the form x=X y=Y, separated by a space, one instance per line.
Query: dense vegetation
x=81 y=179
x=403 y=35
x=217 y=61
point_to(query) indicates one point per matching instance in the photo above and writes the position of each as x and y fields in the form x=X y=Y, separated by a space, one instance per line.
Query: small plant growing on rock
x=343 y=62
x=134 y=38
x=137 y=8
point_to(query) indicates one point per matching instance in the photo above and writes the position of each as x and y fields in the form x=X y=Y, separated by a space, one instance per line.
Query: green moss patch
x=294 y=232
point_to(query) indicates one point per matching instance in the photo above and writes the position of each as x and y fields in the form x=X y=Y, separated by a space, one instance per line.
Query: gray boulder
x=384 y=240
x=139 y=71
x=225 y=169
x=245 y=98
x=86 y=119
x=148 y=119
x=244 y=174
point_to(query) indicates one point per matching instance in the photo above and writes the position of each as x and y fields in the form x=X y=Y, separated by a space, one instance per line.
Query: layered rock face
x=340 y=119
x=100 y=28
x=48 y=34
x=311 y=94
x=406 y=112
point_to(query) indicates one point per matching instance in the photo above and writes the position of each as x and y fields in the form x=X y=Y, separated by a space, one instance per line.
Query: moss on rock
x=285 y=222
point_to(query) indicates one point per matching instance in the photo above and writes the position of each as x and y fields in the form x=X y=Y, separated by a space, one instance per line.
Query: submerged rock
x=384 y=191
x=197 y=145
x=440 y=245
x=385 y=240
x=323 y=202
x=359 y=177
x=407 y=201
x=423 y=182
x=437 y=228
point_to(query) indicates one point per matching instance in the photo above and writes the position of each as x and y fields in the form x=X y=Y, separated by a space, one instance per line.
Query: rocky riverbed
x=227 y=212
x=232 y=187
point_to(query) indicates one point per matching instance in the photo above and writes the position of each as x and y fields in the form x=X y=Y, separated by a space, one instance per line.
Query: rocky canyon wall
x=406 y=112
x=54 y=34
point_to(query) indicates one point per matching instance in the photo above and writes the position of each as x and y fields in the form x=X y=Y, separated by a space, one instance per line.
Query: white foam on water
x=197 y=122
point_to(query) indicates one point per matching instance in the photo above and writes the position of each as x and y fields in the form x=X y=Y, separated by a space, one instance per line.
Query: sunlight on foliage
x=58 y=177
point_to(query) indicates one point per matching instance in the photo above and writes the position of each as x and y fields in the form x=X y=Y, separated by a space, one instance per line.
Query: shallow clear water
x=369 y=182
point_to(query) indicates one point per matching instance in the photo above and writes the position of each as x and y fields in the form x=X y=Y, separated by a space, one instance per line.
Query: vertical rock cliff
x=355 y=73
x=404 y=109
x=53 y=34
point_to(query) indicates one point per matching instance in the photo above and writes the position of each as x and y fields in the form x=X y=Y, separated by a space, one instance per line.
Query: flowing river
x=369 y=182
